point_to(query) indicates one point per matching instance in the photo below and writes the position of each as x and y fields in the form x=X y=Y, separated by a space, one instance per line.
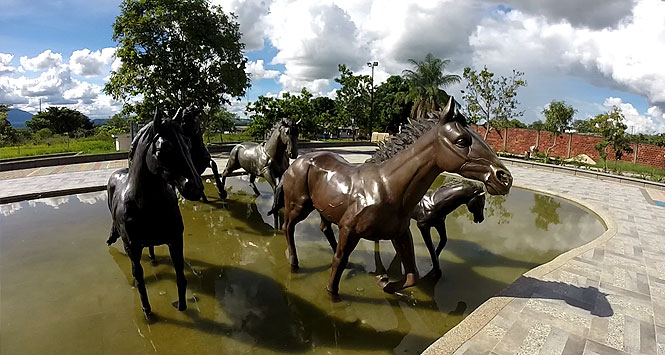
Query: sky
x=592 y=54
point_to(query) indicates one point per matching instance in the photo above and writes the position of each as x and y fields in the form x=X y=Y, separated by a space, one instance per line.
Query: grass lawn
x=85 y=145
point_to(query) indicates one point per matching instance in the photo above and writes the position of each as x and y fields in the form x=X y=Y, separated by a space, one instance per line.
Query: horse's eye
x=462 y=142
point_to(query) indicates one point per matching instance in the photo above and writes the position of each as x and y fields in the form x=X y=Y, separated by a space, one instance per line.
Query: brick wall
x=518 y=141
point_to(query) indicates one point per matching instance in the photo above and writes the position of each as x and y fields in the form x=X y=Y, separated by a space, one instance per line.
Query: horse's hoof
x=147 y=312
x=222 y=194
x=179 y=306
x=334 y=295
x=295 y=268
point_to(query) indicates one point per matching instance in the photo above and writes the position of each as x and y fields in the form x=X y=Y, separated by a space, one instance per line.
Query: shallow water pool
x=63 y=291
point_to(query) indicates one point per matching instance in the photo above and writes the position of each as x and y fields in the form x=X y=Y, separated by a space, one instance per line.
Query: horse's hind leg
x=294 y=214
x=326 y=228
x=252 y=178
x=175 y=249
x=137 y=272
x=341 y=257
x=427 y=237
x=151 y=253
x=231 y=165
x=218 y=182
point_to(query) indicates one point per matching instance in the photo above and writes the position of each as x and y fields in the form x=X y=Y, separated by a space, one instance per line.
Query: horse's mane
x=393 y=145
x=410 y=133
x=146 y=131
x=272 y=130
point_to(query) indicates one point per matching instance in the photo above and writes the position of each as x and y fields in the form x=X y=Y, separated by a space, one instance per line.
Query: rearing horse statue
x=268 y=159
x=375 y=200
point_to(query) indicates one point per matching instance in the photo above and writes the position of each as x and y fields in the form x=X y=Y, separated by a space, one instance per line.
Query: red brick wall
x=519 y=140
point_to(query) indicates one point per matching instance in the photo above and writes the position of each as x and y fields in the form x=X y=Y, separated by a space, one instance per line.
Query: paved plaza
x=607 y=297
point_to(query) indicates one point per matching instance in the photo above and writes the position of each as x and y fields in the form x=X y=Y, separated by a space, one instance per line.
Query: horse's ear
x=178 y=115
x=157 y=120
x=449 y=112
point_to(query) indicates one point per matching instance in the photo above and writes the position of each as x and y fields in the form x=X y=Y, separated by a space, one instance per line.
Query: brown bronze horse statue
x=375 y=200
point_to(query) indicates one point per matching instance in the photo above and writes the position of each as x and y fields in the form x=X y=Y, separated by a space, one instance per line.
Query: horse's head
x=463 y=151
x=169 y=157
x=190 y=118
x=288 y=134
x=476 y=205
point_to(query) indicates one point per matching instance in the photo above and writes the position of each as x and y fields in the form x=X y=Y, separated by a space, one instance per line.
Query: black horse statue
x=191 y=126
x=433 y=208
x=268 y=159
x=143 y=202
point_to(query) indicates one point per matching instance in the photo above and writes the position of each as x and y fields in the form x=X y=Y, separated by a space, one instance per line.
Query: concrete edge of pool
x=452 y=340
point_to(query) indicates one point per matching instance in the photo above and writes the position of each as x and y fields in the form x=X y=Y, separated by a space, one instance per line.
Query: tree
x=353 y=100
x=219 y=120
x=325 y=112
x=492 y=100
x=581 y=126
x=8 y=134
x=538 y=125
x=515 y=123
x=558 y=116
x=425 y=83
x=176 y=52
x=60 y=120
x=266 y=111
x=611 y=127
x=391 y=103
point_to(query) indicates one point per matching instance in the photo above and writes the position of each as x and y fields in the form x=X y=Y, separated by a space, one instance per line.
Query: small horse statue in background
x=268 y=159
x=191 y=126
x=374 y=200
x=143 y=202
x=433 y=208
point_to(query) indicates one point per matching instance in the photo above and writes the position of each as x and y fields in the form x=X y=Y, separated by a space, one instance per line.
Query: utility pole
x=371 y=108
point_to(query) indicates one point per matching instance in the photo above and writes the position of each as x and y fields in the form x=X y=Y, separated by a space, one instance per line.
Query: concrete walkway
x=607 y=297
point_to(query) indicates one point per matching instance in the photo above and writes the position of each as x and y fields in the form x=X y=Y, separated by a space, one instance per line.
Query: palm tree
x=425 y=83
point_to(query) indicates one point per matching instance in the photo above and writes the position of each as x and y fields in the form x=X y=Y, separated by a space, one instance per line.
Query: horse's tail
x=278 y=200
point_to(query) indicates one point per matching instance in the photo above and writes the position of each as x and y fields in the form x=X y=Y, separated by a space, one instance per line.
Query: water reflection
x=545 y=209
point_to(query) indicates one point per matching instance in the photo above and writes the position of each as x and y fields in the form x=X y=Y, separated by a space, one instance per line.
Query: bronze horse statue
x=433 y=208
x=143 y=202
x=268 y=159
x=191 y=126
x=374 y=200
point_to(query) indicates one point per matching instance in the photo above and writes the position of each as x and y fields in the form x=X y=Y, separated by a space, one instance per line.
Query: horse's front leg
x=175 y=249
x=134 y=254
x=326 y=228
x=404 y=248
x=347 y=243
x=218 y=182
x=252 y=178
x=427 y=237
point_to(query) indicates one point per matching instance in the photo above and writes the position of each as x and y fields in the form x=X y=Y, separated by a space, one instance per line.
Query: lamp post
x=371 y=108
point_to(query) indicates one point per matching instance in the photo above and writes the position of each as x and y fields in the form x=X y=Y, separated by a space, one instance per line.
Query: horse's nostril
x=504 y=177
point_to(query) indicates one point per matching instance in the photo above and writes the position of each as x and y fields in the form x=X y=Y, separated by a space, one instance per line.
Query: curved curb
x=481 y=316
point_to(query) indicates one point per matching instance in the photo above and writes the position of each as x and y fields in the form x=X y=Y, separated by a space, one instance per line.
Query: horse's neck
x=142 y=183
x=274 y=145
x=449 y=200
x=409 y=174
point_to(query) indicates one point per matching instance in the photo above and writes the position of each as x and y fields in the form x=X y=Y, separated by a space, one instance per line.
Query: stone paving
x=609 y=299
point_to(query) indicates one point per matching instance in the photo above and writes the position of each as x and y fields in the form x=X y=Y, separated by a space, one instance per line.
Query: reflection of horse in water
x=374 y=200
x=143 y=203
x=268 y=160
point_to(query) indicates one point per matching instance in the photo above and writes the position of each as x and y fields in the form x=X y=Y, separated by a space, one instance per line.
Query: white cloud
x=653 y=121
x=45 y=60
x=251 y=14
x=627 y=57
x=87 y=63
x=83 y=91
x=259 y=72
x=5 y=63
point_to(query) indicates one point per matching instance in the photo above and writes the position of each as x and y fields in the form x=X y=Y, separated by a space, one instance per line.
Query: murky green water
x=63 y=291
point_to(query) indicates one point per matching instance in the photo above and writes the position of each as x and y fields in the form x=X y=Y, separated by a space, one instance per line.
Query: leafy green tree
x=611 y=127
x=490 y=99
x=581 y=126
x=218 y=121
x=353 y=100
x=266 y=111
x=325 y=112
x=558 y=116
x=425 y=83
x=176 y=53
x=60 y=120
x=515 y=123
x=391 y=104
x=8 y=134
x=538 y=125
